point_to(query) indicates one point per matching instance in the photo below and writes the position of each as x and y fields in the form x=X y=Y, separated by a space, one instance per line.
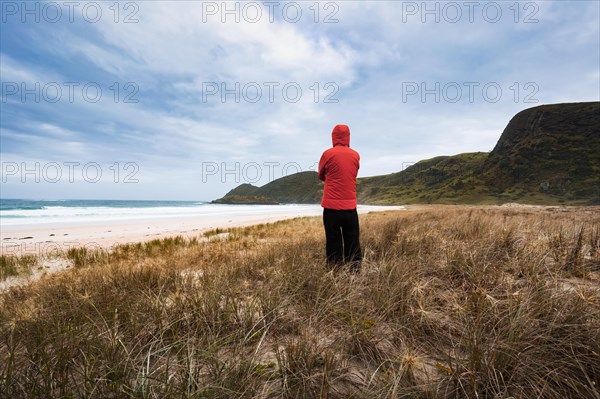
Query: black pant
x=342 y=233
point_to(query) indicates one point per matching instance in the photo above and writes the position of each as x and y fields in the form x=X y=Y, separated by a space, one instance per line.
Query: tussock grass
x=452 y=302
x=11 y=265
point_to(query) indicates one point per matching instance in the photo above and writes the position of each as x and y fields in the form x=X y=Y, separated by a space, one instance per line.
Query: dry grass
x=11 y=266
x=452 y=302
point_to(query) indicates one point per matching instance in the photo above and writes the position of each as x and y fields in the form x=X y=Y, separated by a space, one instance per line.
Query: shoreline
x=48 y=238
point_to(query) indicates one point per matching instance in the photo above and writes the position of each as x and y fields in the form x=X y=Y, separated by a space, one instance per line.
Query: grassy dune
x=452 y=302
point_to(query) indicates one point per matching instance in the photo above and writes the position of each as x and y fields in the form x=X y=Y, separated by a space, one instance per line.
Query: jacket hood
x=341 y=135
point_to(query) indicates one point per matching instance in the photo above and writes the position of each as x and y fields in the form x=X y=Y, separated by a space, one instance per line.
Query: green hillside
x=548 y=154
x=299 y=188
x=443 y=179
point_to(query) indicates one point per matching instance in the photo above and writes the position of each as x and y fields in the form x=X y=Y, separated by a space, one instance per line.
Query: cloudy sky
x=187 y=99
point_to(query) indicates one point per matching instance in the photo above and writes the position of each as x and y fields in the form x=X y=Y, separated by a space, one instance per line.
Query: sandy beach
x=44 y=239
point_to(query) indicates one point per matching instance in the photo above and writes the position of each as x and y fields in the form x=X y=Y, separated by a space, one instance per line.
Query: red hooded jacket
x=338 y=168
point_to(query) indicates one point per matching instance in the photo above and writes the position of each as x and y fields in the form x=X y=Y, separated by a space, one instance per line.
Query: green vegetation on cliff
x=444 y=179
x=548 y=154
x=245 y=200
x=299 y=188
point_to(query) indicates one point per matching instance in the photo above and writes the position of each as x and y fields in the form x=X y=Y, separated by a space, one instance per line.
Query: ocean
x=14 y=212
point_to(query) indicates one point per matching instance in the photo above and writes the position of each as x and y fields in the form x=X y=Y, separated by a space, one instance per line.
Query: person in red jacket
x=338 y=168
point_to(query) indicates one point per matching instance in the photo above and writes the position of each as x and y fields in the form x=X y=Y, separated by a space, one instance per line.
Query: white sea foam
x=56 y=215
x=61 y=214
